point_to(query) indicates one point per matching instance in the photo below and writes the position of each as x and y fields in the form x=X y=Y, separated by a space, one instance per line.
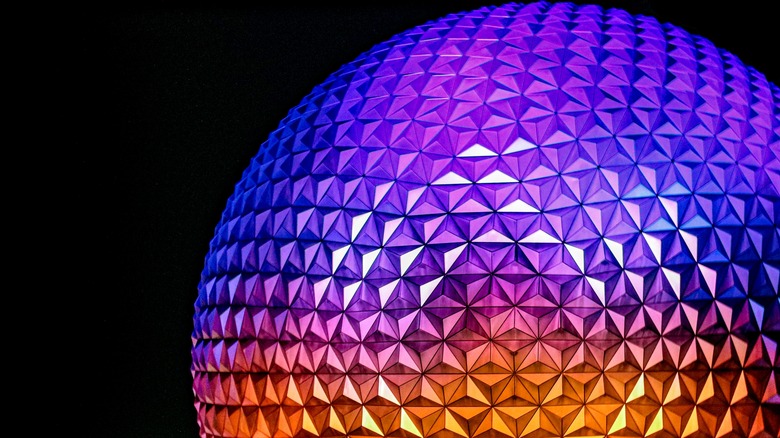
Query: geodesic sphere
x=518 y=221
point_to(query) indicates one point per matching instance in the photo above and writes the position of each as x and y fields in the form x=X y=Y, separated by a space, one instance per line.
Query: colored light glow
x=541 y=220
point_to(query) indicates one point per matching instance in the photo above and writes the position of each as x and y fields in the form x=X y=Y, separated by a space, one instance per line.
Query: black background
x=167 y=105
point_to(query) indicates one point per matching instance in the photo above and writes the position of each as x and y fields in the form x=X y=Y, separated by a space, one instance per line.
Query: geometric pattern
x=528 y=220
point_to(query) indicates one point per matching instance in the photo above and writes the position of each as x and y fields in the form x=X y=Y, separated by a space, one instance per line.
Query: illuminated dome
x=518 y=221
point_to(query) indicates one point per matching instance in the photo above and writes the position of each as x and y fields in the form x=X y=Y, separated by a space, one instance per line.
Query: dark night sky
x=171 y=104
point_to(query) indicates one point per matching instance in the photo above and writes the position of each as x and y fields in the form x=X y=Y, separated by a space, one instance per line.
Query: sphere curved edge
x=525 y=220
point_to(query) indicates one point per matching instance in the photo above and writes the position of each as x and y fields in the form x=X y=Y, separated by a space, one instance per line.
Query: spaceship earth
x=528 y=220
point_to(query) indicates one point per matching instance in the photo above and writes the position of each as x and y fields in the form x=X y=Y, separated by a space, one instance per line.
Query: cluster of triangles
x=538 y=221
